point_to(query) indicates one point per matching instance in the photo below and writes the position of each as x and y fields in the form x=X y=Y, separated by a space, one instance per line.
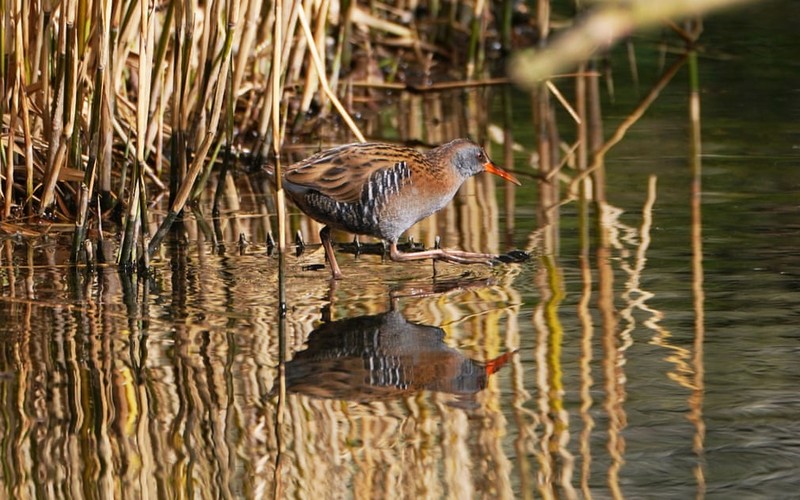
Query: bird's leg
x=457 y=256
x=325 y=238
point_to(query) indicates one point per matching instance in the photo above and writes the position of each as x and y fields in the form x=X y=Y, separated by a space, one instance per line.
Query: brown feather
x=342 y=173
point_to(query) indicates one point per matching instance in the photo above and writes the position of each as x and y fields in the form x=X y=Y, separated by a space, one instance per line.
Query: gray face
x=470 y=159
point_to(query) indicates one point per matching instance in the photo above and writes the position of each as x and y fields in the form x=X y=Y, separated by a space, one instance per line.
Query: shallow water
x=662 y=365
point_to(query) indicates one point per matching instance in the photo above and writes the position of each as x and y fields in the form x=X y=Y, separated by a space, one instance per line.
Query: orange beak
x=494 y=169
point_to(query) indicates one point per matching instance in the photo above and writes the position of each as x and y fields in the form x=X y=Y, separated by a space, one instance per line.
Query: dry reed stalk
x=341 y=55
x=508 y=161
x=101 y=16
x=181 y=40
x=227 y=158
x=18 y=109
x=105 y=129
x=106 y=73
x=277 y=137
x=161 y=92
x=582 y=151
x=246 y=44
x=275 y=78
x=320 y=67
x=136 y=209
x=311 y=85
x=27 y=134
x=8 y=158
x=274 y=96
x=187 y=183
x=476 y=55
x=61 y=121
x=95 y=49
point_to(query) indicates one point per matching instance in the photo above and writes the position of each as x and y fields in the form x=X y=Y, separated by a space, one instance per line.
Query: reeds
x=128 y=103
x=125 y=100
x=111 y=147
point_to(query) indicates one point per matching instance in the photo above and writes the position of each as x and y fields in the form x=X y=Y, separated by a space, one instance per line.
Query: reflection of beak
x=494 y=365
x=494 y=169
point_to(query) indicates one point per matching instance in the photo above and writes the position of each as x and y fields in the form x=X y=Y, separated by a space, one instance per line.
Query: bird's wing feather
x=344 y=172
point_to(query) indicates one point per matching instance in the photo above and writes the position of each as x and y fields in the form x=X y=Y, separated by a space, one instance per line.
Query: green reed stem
x=508 y=160
x=474 y=39
x=145 y=223
x=87 y=188
x=343 y=56
x=694 y=111
x=506 y=27
x=129 y=237
x=182 y=39
x=163 y=40
x=200 y=184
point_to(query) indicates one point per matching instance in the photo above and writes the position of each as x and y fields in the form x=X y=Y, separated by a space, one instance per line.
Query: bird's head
x=470 y=159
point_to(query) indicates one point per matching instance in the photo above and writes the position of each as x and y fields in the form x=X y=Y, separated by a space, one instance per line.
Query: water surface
x=663 y=364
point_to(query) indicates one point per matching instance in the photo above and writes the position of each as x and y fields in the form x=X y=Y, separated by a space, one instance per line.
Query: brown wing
x=343 y=172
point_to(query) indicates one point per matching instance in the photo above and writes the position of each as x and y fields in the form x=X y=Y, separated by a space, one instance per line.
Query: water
x=662 y=366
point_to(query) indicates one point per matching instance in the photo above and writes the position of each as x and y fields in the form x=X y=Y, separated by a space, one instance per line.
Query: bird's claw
x=512 y=257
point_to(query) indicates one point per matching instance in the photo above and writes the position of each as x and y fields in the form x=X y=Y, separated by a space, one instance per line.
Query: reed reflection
x=385 y=356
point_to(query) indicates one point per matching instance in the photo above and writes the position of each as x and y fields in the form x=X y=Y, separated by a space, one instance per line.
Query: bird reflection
x=384 y=356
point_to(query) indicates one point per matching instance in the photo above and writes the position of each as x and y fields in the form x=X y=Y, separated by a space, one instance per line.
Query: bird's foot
x=513 y=257
x=458 y=256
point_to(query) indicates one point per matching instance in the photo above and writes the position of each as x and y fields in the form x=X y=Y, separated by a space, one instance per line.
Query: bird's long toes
x=458 y=259
x=503 y=259
x=512 y=257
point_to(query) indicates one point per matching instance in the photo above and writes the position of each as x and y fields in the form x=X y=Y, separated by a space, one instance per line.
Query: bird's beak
x=494 y=169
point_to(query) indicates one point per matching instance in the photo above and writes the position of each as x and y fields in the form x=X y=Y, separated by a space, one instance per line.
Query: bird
x=382 y=189
x=385 y=356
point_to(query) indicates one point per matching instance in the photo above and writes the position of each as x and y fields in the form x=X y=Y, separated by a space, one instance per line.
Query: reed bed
x=115 y=112
x=110 y=106
x=111 y=110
